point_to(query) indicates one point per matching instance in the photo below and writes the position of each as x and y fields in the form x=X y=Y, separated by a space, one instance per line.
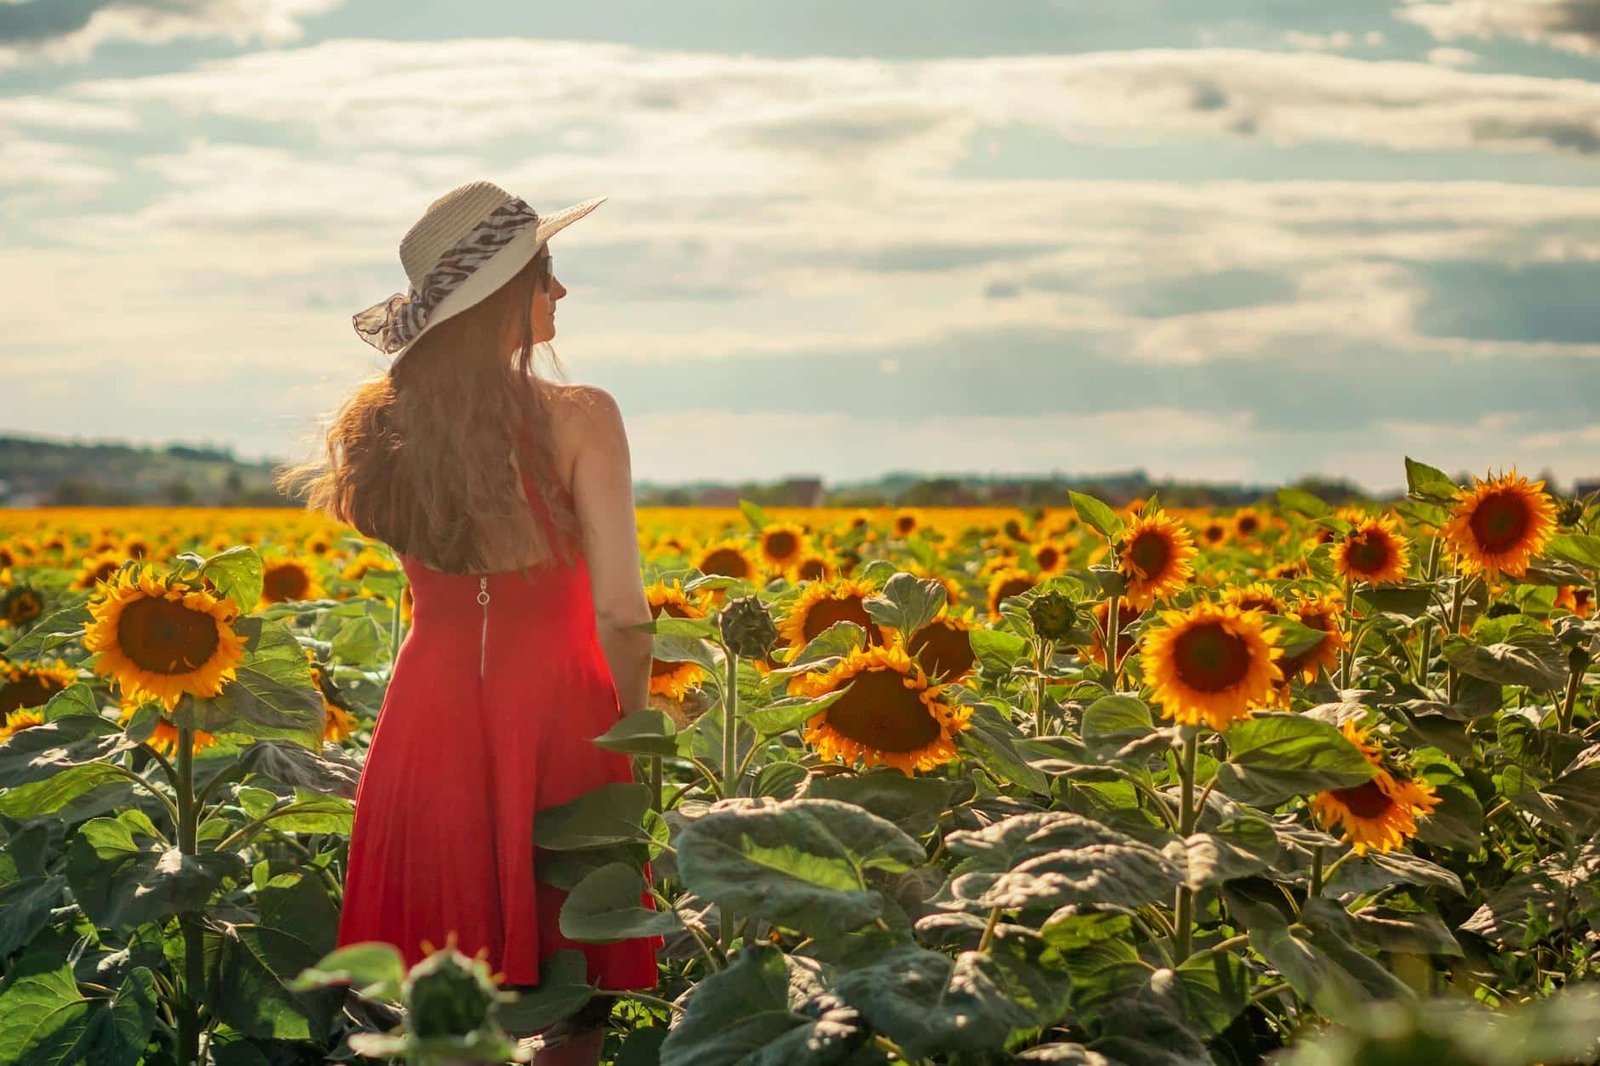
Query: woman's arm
x=602 y=491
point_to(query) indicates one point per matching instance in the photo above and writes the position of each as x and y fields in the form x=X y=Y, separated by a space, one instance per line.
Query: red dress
x=460 y=765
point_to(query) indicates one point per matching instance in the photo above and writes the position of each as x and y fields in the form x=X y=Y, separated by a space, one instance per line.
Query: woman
x=508 y=499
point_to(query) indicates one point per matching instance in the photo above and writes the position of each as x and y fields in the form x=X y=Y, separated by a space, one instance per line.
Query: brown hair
x=420 y=457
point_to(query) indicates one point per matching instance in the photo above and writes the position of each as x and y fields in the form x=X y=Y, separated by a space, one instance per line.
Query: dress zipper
x=483 y=646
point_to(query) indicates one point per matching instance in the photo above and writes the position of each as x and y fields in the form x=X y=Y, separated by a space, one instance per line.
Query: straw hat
x=469 y=242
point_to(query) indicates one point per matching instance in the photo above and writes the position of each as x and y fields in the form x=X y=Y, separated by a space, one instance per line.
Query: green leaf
x=642 y=733
x=249 y=969
x=1407 y=601
x=360 y=642
x=1428 y=483
x=272 y=695
x=237 y=574
x=1533 y=660
x=25 y=909
x=44 y=1019
x=754 y=514
x=1237 y=846
x=928 y=1003
x=374 y=968
x=330 y=773
x=1576 y=548
x=764 y=1009
x=671 y=626
x=1112 y=721
x=1097 y=515
x=611 y=813
x=800 y=863
x=1057 y=859
x=998 y=650
x=1275 y=756
x=912 y=803
x=62 y=626
x=1300 y=502
x=121 y=876
x=562 y=989
x=41 y=751
x=783 y=715
x=991 y=738
x=907 y=602
x=54 y=794
x=606 y=906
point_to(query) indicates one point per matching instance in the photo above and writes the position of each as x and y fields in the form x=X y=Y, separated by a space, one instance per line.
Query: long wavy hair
x=426 y=456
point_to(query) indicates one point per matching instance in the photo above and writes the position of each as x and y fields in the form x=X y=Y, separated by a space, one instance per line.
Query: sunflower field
x=1290 y=783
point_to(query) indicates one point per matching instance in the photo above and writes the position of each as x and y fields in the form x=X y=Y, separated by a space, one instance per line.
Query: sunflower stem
x=193 y=935
x=1574 y=683
x=1187 y=815
x=1316 y=873
x=1427 y=633
x=730 y=772
x=1452 y=678
x=1114 y=643
x=656 y=784
x=1333 y=867
x=1039 y=656
x=1347 y=653
x=988 y=930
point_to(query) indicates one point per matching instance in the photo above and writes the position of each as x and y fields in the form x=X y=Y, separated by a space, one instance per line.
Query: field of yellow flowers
x=1288 y=783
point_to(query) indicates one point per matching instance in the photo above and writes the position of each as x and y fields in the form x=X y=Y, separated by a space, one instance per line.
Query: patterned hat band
x=391 y=324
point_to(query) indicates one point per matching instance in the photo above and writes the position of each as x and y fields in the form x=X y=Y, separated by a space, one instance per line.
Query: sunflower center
x=1148 y=553
x=942 y=650
x=1013 y=586
x=825 y=613
x=165 y=637
x=1211 y=659
x=782 y=544
x=1365 y=800
x=285 y=583
x=1500 y=521
x=1368 y=553
x=811 y=570
x=881 y=713
x=29 y=690
x=725 y=562
x=1047 y=558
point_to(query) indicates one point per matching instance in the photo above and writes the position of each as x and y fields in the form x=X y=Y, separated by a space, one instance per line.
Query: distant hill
x=38 y=473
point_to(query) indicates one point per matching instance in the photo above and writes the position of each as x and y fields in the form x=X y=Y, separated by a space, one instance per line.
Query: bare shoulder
x=582 y=416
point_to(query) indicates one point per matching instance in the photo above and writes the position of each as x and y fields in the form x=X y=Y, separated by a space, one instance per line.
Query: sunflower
x=728 y=558
x=906 y=521
x=1320 y=612
x=161 y=637
x=891 y=715
x=1214 y=532
x=1499 y=525
x=1156 y=554
x=781 y=545
x=318 y=544
x=943 y=645
x=814 y=567
x=20 y=605
x=1380 y=813
x=23 y=685
x=337 y=721
x=1579 y=599
x=670 y=679
x=1293 y=568
x=822 y=603
x=1127 y=614
x=289 y=580
x=1049 y=558
x=1247 y=522
x=1212 y=663
x=18 y=720
x=1256 y=596
x=97 y=568
x=1373 y=551
x=1007 y=581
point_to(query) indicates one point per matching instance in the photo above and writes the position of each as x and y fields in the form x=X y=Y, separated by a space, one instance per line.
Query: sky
x=1243 y=240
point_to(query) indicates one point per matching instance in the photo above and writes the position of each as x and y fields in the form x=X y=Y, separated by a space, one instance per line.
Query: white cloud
x=33 y=31
x=1573 y=25
x=1448 y=56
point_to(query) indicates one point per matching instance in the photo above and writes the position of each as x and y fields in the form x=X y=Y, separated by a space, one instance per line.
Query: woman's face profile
x=542 y=310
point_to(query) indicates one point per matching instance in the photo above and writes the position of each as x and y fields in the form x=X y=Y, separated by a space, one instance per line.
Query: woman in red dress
x=508 y=499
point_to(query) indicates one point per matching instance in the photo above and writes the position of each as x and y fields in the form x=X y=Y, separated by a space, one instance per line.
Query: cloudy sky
x=1233 y=240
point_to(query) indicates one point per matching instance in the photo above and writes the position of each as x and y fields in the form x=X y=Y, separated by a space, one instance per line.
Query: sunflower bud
x=450 y=995
x=1569 y=511
x=1054 y=615
x=747 y=628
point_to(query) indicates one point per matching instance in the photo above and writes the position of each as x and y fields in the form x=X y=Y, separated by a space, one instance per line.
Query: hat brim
x=502 y=266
